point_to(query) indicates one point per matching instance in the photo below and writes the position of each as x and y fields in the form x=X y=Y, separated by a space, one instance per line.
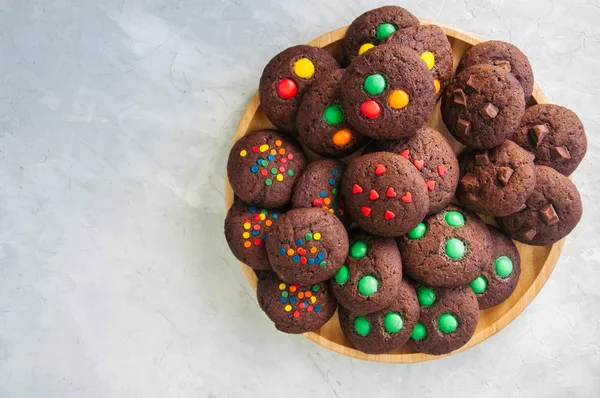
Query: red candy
x=356 y=189
x=296 y=314
x=303 y=260
x=370 y=109
x=263 y=172
x=287 y=88
x=419 y=163
x=373 y=195
x=366 y=211
x=430 y=185
x=380 y=169
x=389 y=215
x=390 y=193
x=281 y=169
x=405 y=153
x=256 y=242
x=257 y=217
x=441 y=169
x=407 y=198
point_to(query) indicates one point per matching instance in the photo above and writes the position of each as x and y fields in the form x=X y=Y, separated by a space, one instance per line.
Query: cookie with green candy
x=385 y=330
x=500 y=276
x=448 y=318
x=447 y=249
x=370 y=278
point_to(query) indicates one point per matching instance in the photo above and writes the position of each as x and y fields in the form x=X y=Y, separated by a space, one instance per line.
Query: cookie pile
x=377 y=235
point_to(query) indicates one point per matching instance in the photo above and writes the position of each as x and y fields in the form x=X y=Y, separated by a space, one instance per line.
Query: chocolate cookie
x=386 y=329
x=431 y=43
x=307 y=246
x=482 y=106
x=246 y=229
x=503 y=55
x=552 y=210
x=287 y=77
x=388 y=93
x=555 y=136
x=429 y=151
x=321 y=123
x=500 y=276
x=294 y=308
x=448 y=319
x=496 y=182
x=370 y=279
x=372 y=27
x=447 y=249
x=384 y=194
x=320 y=185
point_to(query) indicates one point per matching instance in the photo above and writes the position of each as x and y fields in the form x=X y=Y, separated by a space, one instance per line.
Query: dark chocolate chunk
x=470 y=183
x=537 y=134
x=504 y=175
x=463 y=126
x=482 y=159
x=560 y=153
x=460 y=97
x=489 y=111
x=548 y=214
x=474 y=83
x=503 y=64
x=528 y=235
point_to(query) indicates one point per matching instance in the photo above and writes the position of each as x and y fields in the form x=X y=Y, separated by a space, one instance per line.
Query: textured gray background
x=115 y=280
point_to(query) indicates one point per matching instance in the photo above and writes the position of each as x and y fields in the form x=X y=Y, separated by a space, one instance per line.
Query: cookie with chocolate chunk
x=447 y=249
x=285 y=80
x=321 y=122
x=307 y=246
x=295 y=308
x=246 y=230
x=263 y=167
x=500 y=276
x=384 y=194
x=482 y=106
x=498 y=181
x=388 y=93
x=429 y=151
x=503 y=55
x=432 y=45
x=554 y=134
x=386 y=329
x=447 y=320
x=551 y=212
x=372 y=27
x=370 y=278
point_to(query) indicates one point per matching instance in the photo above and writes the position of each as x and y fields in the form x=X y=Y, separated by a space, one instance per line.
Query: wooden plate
x=537 y=262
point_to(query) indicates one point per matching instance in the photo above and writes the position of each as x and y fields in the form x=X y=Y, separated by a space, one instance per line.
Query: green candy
x=268 y=182
x=447 y=323
x=264 y=211
x=426 y=297
x=418 y=232
x=323 y=263
x=503 y=266
x=333 y=114
x=358 y=250
x=479 y=284
x=455 y=219
x=368 y=285
x=375 y=84
x=342 y=275
x=264 y=162
x=334 y=191
x=455 y=248
x=419 y=332
x=315 y=288
x=291 y=173
x=308 y=236
x=274 y=170
x=362 y=326
x=384 y=30
x=284 y=294
x=393 y=322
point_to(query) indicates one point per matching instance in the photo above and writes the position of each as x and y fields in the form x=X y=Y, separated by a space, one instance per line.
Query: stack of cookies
x=380 y=236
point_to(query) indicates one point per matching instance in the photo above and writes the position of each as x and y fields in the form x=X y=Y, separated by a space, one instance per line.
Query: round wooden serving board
x=537 y=262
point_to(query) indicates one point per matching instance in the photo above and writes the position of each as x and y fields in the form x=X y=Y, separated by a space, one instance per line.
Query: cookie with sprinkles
x=263 y=167
x=286 y=79
x=385 y=194
x=550 y=213
x=388 y=93
x=430 y=152
x=432 y=45
x=320 y=185
x=500 y=276
x=246 y=230
x=385 y=330
x=373 y=27
x=307 y=246
x=371 y=276
x=447 y=249
x=448 y=319
x=321 y=122
x=295 y=308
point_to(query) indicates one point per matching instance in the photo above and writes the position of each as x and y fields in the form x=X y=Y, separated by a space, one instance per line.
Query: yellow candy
x=313 y=299
x=262 y=217
x=436 y=84
x=398 y=99
x=247 y=225
x=429 y=59
x=304 y=68
x=279 y=177
x=246 y=235
x=331 y=211
x=264 y=148
x=317 y=236
x=281 y=286
x=288 y=308
x=243 y=153
x=364 y=48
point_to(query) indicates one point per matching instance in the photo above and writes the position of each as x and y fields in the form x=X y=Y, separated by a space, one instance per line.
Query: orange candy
x=342 y=137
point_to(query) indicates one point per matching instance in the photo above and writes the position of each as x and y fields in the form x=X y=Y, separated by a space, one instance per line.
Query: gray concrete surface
x=115 y=281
